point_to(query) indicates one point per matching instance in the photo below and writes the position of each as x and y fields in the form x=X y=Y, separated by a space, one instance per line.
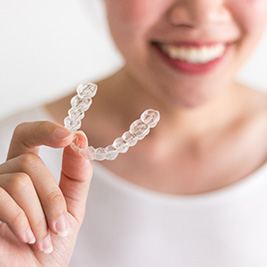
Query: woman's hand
x=37 y=215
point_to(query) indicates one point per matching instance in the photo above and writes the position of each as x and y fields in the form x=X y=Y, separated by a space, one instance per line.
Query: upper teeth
x=194 y=55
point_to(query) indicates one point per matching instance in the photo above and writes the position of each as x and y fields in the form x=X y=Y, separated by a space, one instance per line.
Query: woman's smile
x=192 y=58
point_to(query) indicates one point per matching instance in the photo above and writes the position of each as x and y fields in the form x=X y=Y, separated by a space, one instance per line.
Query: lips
x=192 y=57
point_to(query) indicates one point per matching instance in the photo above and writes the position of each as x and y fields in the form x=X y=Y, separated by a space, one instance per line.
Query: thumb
x=75 y=178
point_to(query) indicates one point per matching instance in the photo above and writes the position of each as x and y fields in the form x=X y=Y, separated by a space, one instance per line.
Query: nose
x=198 y=13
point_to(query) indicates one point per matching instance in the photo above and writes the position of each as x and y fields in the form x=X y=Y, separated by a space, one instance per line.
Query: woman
x=192 y=193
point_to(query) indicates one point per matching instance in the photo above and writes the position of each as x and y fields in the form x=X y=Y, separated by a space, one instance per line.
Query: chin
x=190 y=102
x=189 y=97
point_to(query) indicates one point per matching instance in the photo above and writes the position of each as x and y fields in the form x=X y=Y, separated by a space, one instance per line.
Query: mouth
x=192 y=58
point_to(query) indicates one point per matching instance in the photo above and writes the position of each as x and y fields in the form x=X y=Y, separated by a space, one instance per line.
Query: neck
x=126 y=96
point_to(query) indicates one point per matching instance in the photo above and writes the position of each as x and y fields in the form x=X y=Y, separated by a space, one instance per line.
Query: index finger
x=28 y=136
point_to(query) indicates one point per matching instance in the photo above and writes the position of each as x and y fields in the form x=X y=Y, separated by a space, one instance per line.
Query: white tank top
x=127 y=225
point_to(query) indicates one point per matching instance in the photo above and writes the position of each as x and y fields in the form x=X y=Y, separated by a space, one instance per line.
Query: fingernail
x=61 y=133
x=29 y=237
x=45 y=245
x=80 y=139
x=61 y=226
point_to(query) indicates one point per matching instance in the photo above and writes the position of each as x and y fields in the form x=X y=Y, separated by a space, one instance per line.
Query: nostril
x=178 y=15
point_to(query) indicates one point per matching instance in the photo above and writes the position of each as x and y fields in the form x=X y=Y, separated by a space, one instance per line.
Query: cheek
x=130 y=22
x=251 y=15
x=134 y=17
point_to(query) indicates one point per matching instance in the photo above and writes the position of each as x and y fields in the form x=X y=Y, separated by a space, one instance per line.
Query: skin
x=212 y=129
x=232 y=142
x=188 y=133
x=22 y=179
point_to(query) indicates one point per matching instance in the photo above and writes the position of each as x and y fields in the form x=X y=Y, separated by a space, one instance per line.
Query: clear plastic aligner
x=138 y=130
x=79 y=104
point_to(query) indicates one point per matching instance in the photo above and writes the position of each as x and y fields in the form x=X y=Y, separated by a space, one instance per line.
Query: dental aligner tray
x=140 y=128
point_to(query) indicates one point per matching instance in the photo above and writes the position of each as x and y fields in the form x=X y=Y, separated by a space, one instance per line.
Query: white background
x=47 y=47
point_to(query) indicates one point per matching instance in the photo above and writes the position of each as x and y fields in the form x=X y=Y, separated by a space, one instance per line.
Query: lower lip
x=191 y=68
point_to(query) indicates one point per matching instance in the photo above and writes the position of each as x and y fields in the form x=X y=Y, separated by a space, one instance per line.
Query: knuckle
x=18 y=218
x=54 y=199
x=15 y=216
x=34 y=128
x=18 y=181
x=43 y=126
x=29 y=159
x=40 y=126
x=19 y=128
